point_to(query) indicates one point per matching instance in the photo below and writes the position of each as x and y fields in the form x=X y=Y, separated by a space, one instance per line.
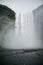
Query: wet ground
x=21 y=57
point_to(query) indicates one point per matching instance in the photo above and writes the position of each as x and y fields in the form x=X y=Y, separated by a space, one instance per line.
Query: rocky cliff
x=7 y=16
x=38 y=23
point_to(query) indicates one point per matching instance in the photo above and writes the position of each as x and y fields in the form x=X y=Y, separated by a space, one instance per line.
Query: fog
x=23 y=33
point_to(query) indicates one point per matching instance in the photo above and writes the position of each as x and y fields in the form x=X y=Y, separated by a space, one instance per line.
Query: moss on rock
x=4 y=10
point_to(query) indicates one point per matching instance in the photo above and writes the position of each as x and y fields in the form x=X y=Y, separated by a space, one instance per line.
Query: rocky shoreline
x=21 y=57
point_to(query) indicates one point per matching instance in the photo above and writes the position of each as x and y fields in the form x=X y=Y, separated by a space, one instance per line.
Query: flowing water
x=21 y=35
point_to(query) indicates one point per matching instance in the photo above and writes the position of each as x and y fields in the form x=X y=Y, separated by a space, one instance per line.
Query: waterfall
x=22 y=35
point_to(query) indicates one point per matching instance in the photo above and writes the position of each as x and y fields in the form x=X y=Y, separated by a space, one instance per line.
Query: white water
x=22 y=36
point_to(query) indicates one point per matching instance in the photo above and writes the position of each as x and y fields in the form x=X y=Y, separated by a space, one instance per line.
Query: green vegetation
x=6 y=16
x=4 y=10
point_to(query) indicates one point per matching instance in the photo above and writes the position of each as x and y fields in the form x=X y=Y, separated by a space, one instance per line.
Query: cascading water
x=21 y=35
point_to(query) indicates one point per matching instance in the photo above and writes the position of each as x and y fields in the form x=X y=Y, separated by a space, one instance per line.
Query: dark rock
x=4 y=10
x=7 y=17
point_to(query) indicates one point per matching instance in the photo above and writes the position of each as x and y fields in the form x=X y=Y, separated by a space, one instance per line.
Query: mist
x=23 y=33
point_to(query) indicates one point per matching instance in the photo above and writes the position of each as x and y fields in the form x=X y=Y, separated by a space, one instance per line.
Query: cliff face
x=38 y=22
x=38 y=14
x=7 y=16
x=7 y=22
x=4 y=10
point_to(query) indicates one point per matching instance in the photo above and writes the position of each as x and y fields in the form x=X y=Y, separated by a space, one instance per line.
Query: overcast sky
x=22 y=6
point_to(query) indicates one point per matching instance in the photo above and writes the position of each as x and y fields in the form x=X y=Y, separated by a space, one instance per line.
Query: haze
x=23 y=35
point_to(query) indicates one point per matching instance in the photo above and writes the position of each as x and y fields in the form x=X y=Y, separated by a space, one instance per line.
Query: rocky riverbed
x=21 y=57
